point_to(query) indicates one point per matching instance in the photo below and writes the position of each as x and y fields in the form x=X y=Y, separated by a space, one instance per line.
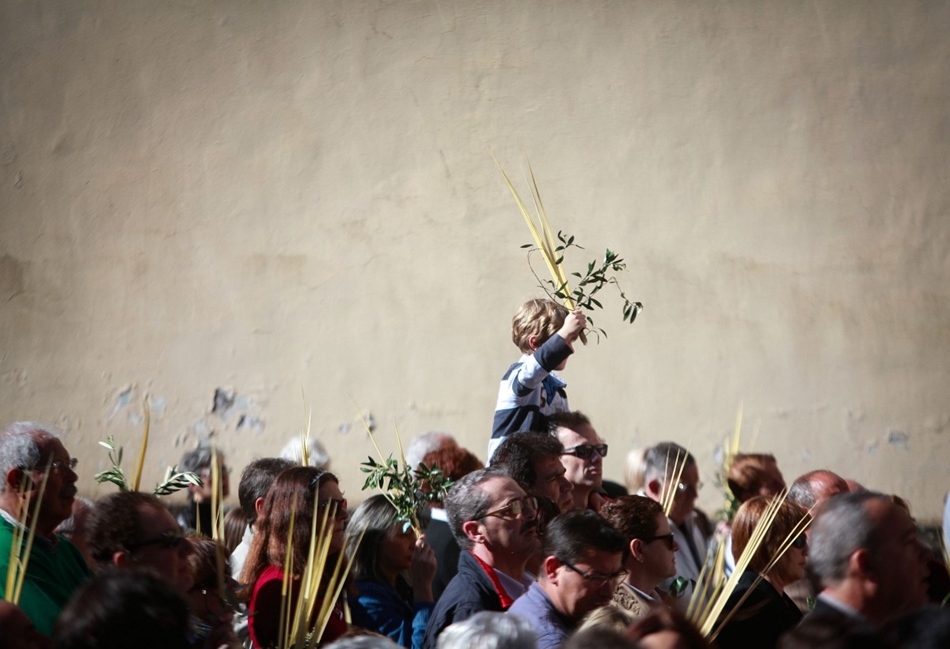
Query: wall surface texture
x=294 y=202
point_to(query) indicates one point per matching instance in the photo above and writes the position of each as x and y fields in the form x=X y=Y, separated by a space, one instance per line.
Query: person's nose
x=566 y=485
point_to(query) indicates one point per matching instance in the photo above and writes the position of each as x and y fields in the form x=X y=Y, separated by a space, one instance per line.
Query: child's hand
x=573 y=325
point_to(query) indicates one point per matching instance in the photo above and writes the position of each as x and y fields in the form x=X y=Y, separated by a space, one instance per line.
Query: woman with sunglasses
x=766 y=612
x=393 y=572
x=650 y=555
x=292 y=495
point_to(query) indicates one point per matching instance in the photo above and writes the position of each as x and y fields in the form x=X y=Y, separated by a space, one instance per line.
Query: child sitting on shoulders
x=544 y=331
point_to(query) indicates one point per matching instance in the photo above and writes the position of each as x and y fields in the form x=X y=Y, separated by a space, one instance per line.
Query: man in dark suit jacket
x=864 y=548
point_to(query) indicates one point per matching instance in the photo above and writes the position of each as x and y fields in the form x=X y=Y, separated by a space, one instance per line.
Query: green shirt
x=54 y=572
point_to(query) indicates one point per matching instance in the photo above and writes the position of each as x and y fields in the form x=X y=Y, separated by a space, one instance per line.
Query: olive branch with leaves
x=598 y=275
x=172 y=482
x=408 y=491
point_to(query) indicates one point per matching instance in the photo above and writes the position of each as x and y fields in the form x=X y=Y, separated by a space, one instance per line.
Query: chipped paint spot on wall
x=898 y=438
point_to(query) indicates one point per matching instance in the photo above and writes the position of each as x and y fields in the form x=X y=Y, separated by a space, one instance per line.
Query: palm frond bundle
x=597 y=275
x=20 y=550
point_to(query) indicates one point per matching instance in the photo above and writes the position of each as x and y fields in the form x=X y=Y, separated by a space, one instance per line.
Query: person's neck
x=511 y=565
x=777 y=583
x=852 y=594
x=557 y=597
x=581 y=496
x=390 y=576
x=11 y=505
x=640 y=579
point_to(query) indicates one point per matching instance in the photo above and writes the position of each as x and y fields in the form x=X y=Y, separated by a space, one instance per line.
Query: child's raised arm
x=574 y=324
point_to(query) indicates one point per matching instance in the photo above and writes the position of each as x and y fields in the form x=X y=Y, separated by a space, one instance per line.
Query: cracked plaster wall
x=259 y=199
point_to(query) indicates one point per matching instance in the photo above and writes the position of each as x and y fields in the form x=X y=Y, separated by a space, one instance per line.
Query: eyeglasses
x=586 y=451
x=340 y=503
x=667 y=538
x=168 y=540
x=600 y=580
x=57 y=465
x=226 y=600
x=800 y=542
x=515 y=508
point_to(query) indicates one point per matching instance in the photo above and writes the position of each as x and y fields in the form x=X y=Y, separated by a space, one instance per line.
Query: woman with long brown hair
x=293 y=494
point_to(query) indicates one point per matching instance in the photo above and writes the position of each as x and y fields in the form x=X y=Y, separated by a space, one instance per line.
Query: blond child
x=545 y=332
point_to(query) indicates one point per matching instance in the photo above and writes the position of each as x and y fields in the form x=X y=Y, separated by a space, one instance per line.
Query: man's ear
x=15 y=477
x=861 y=562
x=533 y=342
x=472 y=529
x=259 y=506
x=549 y=569
x=122 y=559
x=654 y=489
x=636 y=550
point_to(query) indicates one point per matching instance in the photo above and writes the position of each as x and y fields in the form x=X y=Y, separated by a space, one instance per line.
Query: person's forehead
x=690 y=474
x=583 y=434
x=329 y=489
x=52 y=447
x=662 y=525
x=600 y=561
x=893 y=521
x=155 y=521
x=549 y=466
x=501 y=489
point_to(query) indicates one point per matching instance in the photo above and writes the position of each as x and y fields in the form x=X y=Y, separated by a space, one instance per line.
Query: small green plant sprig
x=599 y=274
x=173 y=481
x=409 y=491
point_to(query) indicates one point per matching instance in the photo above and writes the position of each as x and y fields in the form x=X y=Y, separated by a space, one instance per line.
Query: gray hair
x=843 y=526
x=318 y=456
x=373 y=641
x=425 y=443
x=20 y=447
x=658 y=460
x=488 y=630
x=467 y=501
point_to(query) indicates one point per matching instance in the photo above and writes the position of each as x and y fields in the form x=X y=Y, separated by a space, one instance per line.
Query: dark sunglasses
x=168 y=540
x=340 y=503
x=586 y=451
x=515 y=508
x=667 y=538
x=800 y=542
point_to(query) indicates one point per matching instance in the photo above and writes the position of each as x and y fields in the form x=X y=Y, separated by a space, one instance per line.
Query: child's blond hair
x=541 y=318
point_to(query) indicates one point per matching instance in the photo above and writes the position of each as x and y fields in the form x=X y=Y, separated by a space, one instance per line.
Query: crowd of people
x=536 y=550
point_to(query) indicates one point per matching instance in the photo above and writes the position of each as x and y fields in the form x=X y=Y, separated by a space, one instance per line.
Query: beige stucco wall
x=276 y=197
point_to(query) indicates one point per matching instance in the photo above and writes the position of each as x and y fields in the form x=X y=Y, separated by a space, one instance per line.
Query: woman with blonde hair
x=384 y=553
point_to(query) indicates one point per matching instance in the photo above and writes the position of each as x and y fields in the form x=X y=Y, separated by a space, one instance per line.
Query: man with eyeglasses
x=36 y=467
x=496 y=524
x=133 y=530
x=582 y=457
x=670 y=468
x=583 y=564
x=649 y=555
